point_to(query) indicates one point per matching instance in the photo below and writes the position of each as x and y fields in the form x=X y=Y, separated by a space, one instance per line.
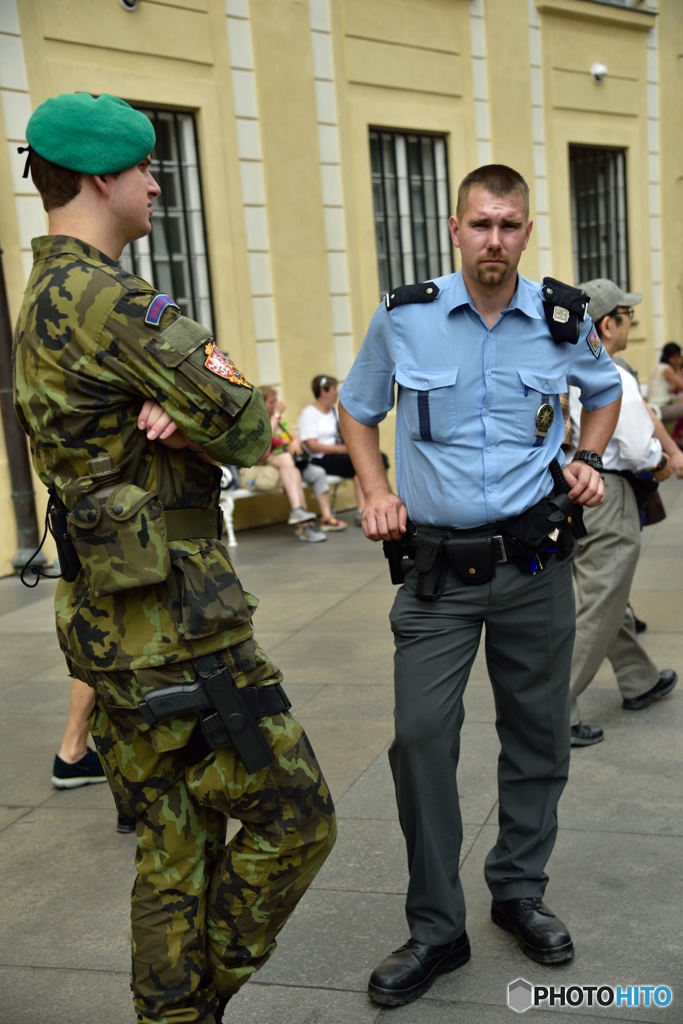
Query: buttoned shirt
x=467 y=398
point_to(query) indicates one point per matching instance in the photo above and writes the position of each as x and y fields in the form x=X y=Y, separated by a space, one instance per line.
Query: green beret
x=88 y=135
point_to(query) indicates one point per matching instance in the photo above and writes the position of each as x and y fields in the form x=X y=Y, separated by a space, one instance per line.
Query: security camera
x=598 y=72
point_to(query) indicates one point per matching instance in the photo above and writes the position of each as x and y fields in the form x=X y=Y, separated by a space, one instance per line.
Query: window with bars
x=599 y=214
x=174 y=256
x=412 y=206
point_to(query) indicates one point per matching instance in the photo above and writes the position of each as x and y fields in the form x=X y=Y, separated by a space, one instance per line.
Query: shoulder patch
x=156 y=308
x=426 y=291
x=217 y=362
x=594 y=344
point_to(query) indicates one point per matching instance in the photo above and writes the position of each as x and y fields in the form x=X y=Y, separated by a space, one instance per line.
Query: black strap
x=259 y=700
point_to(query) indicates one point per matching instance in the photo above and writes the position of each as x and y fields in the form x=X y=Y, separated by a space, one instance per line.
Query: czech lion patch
x=217 y=362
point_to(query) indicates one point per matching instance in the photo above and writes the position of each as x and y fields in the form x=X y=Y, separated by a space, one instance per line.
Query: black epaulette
x=565 y=310
x=426 y=291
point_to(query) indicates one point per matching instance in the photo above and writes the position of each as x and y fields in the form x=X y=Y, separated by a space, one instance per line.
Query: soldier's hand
x=384 y=518
x=586 y=485
x=160 y=427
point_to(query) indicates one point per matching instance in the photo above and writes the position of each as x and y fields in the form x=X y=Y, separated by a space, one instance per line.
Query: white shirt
x=319 y=426
x=632 y=445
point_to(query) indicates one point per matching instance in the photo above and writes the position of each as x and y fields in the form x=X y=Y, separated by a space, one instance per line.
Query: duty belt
x=472 y=554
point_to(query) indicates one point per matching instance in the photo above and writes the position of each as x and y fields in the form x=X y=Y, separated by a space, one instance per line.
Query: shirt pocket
x=427 y=398
x=537 y=388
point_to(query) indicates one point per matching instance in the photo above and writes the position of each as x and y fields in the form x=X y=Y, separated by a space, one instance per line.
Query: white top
x=632 y=445
x=658 y=390
x=319 y=426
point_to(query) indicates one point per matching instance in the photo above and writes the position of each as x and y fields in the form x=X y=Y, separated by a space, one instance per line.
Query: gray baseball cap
x=605 y=296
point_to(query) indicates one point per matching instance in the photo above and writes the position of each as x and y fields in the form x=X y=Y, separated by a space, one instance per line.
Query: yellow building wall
x=496 y=77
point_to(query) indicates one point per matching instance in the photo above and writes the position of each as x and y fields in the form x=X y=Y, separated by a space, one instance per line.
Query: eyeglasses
x=625 y=312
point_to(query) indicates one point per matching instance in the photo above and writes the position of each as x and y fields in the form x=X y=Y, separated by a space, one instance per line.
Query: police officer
x=150 y=598
x=480 y=358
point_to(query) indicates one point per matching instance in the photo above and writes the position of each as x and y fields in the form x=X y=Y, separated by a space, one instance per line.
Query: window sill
x=638 y=18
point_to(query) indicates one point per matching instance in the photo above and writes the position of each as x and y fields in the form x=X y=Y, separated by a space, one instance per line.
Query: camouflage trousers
x=204 y=915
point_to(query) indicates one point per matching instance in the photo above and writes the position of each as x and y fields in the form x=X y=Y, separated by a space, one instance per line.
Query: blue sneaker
x=81 y=773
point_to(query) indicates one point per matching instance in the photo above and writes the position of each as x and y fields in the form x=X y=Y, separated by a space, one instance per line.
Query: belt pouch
x=472 y=558
x=430 y=566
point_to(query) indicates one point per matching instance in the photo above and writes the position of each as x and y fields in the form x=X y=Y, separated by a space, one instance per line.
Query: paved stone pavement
x=615 y=872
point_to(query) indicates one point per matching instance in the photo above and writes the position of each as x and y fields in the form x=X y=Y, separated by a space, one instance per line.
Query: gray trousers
x=603 y=574
x=529 y=635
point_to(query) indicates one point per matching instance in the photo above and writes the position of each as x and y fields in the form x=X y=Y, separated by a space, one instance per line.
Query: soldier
x=155 y=600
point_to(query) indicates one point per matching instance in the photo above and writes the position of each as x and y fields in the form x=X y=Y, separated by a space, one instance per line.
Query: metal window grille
x=174 y=256
x=411 y=200
x=599 y=214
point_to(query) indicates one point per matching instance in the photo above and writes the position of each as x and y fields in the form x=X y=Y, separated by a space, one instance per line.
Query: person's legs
x=436 y=643
x=204 y=917
x=529 y=638
x=671 y=412
x=635 y=670
x=603 y=573
x=291 y=478
x=75 y=742
x=316 y=477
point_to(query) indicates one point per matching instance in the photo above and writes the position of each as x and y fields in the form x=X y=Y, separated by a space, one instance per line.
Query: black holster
x=228 y=715
x=69 y=562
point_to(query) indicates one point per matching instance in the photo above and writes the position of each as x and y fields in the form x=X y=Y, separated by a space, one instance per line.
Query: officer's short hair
x=323 y=383
x=497 y=179
x=57 y=185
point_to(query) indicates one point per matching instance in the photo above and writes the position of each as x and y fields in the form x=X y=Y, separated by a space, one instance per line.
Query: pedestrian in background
x=608 y=555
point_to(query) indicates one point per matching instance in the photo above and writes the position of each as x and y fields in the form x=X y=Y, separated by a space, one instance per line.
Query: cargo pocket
x=121 y=541
x=428 y=400
x=211 y=597
x=536 y=389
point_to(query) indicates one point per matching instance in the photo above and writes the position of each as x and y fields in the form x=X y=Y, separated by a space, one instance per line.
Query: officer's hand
x=384 y=518
x=586 y=485
x=160 y=426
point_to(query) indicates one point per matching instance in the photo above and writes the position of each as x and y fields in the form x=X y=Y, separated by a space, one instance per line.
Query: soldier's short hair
x=498 y=179
x=57 y=185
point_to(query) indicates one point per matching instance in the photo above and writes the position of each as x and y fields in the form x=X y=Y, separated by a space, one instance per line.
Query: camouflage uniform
x=204 y=916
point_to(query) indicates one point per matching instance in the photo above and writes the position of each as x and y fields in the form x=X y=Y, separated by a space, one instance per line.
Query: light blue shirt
x=467 y=452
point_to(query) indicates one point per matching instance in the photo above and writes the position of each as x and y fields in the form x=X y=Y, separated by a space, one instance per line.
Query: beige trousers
x=603 y=573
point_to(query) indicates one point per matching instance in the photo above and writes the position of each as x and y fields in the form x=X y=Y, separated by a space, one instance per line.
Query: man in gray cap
x=606 y=563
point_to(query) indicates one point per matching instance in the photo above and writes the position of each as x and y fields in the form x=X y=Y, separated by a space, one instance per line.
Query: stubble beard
x=492 y=276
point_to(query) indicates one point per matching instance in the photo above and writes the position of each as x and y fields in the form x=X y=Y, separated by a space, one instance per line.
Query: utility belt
x=546 y=529
x=642 y=488
x=228 y=715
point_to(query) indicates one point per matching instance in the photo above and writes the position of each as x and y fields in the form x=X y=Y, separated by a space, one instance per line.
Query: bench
x=229 y=497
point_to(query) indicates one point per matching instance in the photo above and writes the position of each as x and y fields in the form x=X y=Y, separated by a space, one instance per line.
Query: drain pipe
x=17 y=448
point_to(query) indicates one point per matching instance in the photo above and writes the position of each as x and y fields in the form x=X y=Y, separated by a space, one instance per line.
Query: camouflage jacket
x=88 y=353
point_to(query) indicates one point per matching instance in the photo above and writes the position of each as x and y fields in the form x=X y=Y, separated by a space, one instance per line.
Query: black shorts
x=336 y=465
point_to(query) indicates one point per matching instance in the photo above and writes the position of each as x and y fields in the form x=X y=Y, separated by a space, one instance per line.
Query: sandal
x=331 y=524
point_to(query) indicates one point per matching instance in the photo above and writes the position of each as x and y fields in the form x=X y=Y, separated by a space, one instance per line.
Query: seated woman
x=666 y=385
x=286 y=445
x=319 y=432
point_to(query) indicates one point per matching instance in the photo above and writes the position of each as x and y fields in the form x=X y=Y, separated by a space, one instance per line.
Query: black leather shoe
x=124 y=823
x=665 y=684
x=540 y=934
x=585 y=735
x=409 y=971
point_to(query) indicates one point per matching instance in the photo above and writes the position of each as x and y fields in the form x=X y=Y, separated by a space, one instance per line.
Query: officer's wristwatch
x=591 y=458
